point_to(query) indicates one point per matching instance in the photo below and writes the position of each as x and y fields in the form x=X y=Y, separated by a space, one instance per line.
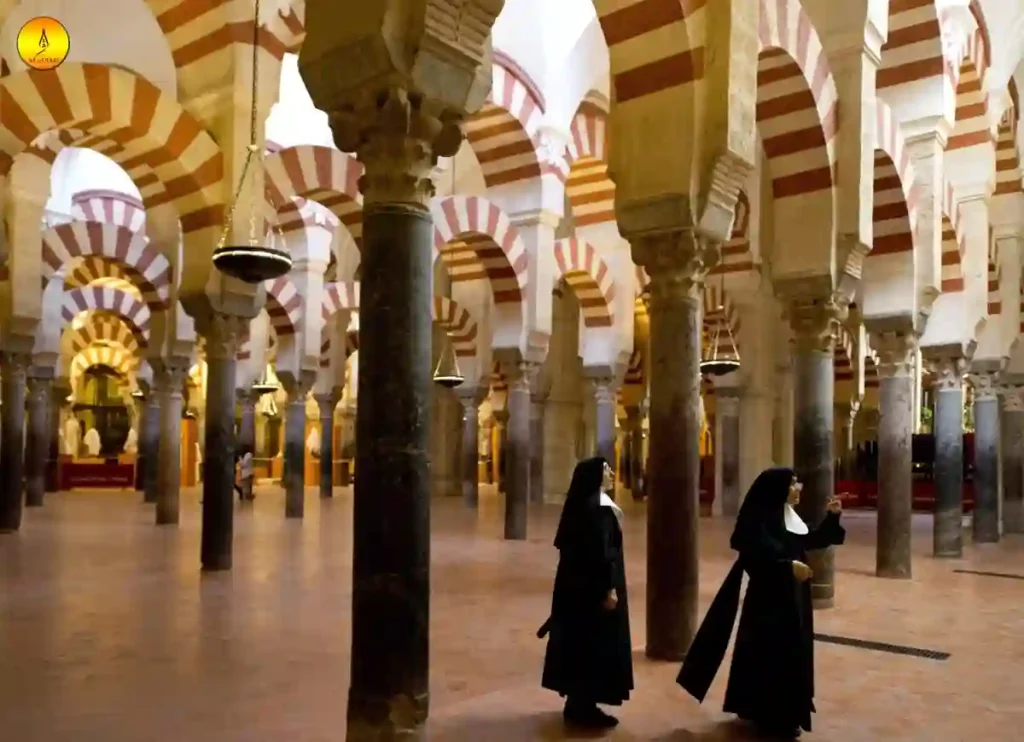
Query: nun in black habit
x=771 y=681
x=589 y=657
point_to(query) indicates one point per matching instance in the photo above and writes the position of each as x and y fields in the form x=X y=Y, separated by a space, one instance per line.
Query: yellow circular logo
x=43 y=43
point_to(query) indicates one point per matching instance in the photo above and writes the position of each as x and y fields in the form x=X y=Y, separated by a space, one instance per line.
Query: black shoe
x=588 y=717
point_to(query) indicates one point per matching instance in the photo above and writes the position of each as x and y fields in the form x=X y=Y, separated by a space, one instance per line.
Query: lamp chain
x=253 y=148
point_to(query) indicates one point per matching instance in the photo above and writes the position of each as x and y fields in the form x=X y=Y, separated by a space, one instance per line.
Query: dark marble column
x=13 y=380
x=604 y=418
x=470 y=400
x=635 y=426
x=896 y=353
x=295 y=448
x=37 y=440
x=727 y=414
x=221 y=334
x=247 y=420
x=538 y=406
x=948 y=472
x=814 y=325
x=168 y=385
x=517 y=463
x=59 y=390
x=327 y=402
x=1013 y=459
x=501 y=420
x=673 y=262
x=986 y=458
x=140 y=424
x=149 y=444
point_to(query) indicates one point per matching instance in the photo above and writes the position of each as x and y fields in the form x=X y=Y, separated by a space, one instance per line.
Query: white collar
x=608 y=502
x=794 y=523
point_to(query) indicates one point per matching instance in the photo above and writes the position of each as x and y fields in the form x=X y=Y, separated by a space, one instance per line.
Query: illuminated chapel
x=418 y=258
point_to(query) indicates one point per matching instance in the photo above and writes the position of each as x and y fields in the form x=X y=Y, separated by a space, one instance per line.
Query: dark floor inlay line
x=981 y=573
x=928 y=654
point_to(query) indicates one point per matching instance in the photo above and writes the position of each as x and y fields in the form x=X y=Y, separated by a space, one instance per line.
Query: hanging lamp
x=138 y=394
x=447 y=373
x=264 y=385
x=719 y=363
x=255 y=262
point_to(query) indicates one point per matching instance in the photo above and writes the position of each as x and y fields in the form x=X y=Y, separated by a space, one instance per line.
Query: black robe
x=771 y=680
x=589 y=654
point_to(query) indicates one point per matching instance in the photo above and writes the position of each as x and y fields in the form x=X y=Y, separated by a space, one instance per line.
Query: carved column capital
x=815 y=322
x=15 y=363
x=38 y=390
x=947 y=371
x=604 y=389
x=327 y=402
x=896 y=352
x=222 y=333
x=245 y=397
x=985 y=386
x=1013 y=398
x=521 y=379
x=169 y=376
x=727 y=401
x=677 y=261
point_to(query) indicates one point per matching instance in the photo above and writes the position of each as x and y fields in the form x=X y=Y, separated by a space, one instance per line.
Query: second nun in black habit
x=589 y=657
x=771 y=681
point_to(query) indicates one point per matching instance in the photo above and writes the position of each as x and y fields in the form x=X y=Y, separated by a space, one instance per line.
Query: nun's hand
x=801 y=571
x=835 y=505
x=611 y=600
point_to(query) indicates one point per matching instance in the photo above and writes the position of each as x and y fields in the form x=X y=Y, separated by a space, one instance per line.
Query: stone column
x=948 y=471
x=222 y=334
x=517 y=465
x=470 y=400
x=1013 y=460
x=59 y=390
x=327 y=402
x=782 y=423
x=675 y=262
x=604 y=417
x=897 y=352
x=538 y=406
x=501 y=420
x=168 y=388
x=398 y=135
x=149 y=444
x=814 y=327
x=13 y=380
x=631 y=427
x=295 y=447
x=37 y=441
x=846 y=412
x=986 y=458
x=247 y=422
x=727 y=418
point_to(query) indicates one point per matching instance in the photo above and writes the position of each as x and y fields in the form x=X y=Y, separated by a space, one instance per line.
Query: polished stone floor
x=108 y=633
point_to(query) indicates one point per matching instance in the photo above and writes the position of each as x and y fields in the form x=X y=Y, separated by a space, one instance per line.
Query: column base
x=663 y=654
x=894 y=573
x=823 y=603
x=403 y=720
x=953 y=554
x=221 y=565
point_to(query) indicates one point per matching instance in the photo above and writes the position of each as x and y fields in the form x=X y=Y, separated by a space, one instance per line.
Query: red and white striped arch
x=284 y=305
x=94 y=271
x=736 y=255
x=653 y=46
x=1008 y=173
x=476 y=240
x=106 y=330
x=109 y=207
x=969 y=59
x=118 y=359
x=167 y=145
x=316 y=173
x=842 y=356
x=67 y=242
x=634 y=375
x=340 y=296
x=586 y=273
x=953 y=244
x=995 y=274
x=99 y=298
x=796 y=101
x=591 y=193
x=503 y=132
x=895 y=192
x=913 y=51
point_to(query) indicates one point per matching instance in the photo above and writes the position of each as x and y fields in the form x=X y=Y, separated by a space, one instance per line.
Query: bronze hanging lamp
x=447 y=373
x=720 y=362
x=255 y=262
x=264 y=385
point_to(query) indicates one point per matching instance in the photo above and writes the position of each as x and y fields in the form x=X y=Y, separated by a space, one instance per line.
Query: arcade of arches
x=580 y=211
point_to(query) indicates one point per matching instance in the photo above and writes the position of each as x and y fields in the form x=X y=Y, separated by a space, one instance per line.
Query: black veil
x=762 y=507
x=584 y=491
